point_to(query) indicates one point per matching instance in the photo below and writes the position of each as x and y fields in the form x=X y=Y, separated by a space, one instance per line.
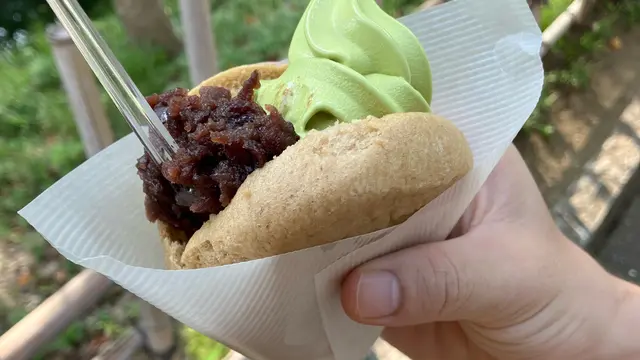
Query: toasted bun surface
x=347 y=180
x=344 y=181
x=233 y=78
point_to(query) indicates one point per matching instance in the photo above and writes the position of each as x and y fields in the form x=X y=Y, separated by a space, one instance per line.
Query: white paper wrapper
x=487 y=79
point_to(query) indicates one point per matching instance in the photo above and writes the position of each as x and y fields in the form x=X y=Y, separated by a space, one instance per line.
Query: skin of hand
x=506 y=285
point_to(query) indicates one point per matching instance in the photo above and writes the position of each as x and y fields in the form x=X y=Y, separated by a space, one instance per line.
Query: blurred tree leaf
x=19 y=15
x=147 y=23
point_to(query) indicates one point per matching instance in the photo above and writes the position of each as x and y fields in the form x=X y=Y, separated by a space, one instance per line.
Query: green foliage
x=20 y=15
x=624 y=13
x=551 y=11
x=73 y=335
x=588 y=44
x=33 y=243
x=537 y=122
x=105 y=324
x=13 y=316
x=38 y=138
x=150 y=68
x=575 y=76
x=575 y=54
x=200 y=347
x=249 y=31
x=400 y=7
x=100 y=323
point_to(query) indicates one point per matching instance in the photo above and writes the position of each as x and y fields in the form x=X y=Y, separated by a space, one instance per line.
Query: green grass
x=101 y=323
x=551 y=11
x=200 y=347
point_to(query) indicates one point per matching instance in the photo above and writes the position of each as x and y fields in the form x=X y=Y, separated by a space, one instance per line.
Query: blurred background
x=581 y=142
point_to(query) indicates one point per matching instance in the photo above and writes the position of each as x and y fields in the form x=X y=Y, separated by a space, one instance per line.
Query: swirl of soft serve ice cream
x=348 y=59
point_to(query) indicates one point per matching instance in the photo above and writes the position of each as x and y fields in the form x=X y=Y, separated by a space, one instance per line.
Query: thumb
x=452 y=280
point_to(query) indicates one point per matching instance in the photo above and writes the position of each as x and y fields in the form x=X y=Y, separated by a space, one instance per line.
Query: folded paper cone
x=347 y=180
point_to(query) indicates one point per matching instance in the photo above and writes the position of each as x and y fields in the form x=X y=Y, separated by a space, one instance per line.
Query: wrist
x=621 y=341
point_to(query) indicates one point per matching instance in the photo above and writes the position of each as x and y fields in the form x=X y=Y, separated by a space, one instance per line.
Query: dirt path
x=582 y=168
x=585 y=120
x=15 y=265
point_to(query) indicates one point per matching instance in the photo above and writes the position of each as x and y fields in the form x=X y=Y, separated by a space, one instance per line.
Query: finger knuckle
x=441 y=284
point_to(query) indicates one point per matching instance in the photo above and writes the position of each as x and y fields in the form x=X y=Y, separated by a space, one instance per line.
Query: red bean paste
x=222 y=139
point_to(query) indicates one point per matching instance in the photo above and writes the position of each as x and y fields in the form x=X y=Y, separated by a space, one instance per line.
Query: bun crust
x=233 y=78
x=347 y=180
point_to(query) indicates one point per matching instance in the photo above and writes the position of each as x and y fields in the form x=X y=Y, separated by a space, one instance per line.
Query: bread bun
x=347 y=180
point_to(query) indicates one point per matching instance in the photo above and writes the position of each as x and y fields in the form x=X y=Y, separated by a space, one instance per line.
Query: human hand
x=506 y=285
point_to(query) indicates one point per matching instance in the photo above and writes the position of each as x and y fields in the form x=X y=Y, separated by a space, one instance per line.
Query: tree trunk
x=199 y=45
x=146 y=23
